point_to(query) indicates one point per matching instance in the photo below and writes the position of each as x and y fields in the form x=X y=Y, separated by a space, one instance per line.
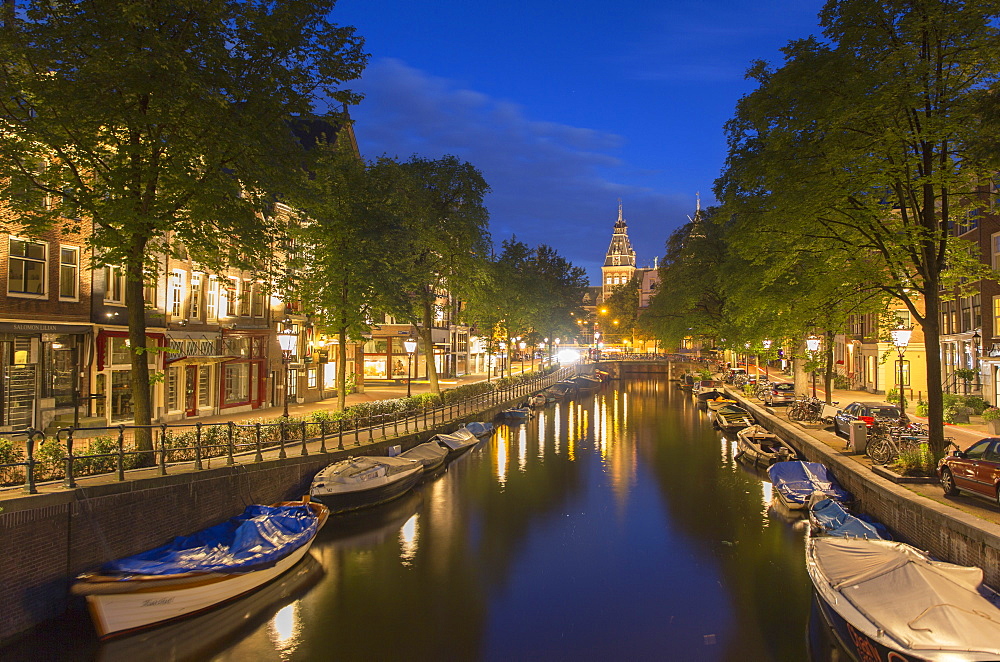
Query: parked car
x=863 y=411
x=780 y=393
x=975 y=470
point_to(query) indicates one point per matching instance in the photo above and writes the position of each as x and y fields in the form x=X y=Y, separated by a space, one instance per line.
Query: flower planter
x=993 y=427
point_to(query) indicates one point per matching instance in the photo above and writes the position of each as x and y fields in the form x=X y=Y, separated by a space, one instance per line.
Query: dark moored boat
x=731 y=418
x=711 y=394
x=796 y=482
x=517 y=413
x=197 y=572
x=887 y=600
x=431 y=454
x=359 y=482
x=587 y=383
x=562 y=390
x=755 y=444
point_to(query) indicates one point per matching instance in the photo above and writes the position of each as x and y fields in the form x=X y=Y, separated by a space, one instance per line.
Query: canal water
x=617 y=526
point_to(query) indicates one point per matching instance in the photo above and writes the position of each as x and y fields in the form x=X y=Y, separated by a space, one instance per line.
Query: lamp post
x=767 y=352
x=503 y=359
x=521 y=345
x=901 y=338
x=813 y=344
x=410 y=345
x=976 y=340
x=287 y=339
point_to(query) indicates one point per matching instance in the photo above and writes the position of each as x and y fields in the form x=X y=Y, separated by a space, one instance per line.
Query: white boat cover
x=428 y=452
x=460 y=438
x=921 y=603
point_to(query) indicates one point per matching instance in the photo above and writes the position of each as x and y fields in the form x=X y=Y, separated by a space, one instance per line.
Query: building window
x=245 y=288
x=176 y=292
x=609 y=280
x=995 y=249
x=194 y=312
x=293 y=383
x=996 y=317
x=26 y=267
x=228 y=297
x=212 y=298
x=977 y=311
x=149 y=292
x=906 y=373
x=236 y=383
x=114 y=279
x=69 y=272
x=173 y=389
x=312 y=377
x=205 y=386
x=259 y=300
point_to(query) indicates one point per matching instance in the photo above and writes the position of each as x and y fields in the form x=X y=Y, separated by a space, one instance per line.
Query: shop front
x=40 y=365
x=243 y=371
x=192 y=374
x=112 y=380
x=385 y=357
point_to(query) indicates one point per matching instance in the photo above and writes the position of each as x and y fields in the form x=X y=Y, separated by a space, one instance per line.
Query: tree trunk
x=142 y=405
x=342 y=368
x=427 y=335
x=932 y=346
x=828 y=368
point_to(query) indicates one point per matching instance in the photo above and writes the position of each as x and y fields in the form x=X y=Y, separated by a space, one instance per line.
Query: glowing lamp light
x=410 y=345
x=568 y=356
x=813 y=343
x=901 y=337
x=288 y=339
x=767 y=344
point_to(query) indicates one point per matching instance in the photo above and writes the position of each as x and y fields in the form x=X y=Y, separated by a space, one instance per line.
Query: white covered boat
x=431 y=454
x=887 y=600
x=458 y=441
x=194 y=573
x=359 y=482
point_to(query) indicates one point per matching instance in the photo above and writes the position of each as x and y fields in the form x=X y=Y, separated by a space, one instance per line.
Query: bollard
x=197 y=446
x=371 y=430
x=340 y=434
x=322 y=436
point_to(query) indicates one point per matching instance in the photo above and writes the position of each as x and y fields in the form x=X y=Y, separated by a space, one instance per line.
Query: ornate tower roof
x=620 y=253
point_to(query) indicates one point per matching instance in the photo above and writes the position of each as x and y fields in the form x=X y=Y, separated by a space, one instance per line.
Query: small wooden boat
x=755 y=444
x=359 y=482
x=711 y=394
x=886 y=600
x=458 y=441
x=716 y=404
x=194 y=573
x=587 y=383
x=517 y=413
x=731 y=417
x=828 y=517
x=562 y=390
x=478 y=429
x=431 y=454
x=537 y=401
x=795 y=483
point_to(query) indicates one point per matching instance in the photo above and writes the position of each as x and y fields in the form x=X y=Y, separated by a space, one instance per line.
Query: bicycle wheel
x=795 y=413
x=879 y=450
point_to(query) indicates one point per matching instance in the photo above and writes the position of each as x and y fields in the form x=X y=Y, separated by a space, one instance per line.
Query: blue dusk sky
x=566 y=107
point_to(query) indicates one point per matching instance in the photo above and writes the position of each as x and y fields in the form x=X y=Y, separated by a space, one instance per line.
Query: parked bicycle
x=805 y=408
x=887 y=439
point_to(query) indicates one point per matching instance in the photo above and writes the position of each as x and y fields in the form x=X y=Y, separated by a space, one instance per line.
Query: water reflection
x=615 y=526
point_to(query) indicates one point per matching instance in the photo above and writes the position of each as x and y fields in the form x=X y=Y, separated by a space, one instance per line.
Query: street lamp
x=410 y=345
x=767 y=351
x=521 y=345
x=901 y=338
x=976 y=340
x=287 y=339
x=813 y=343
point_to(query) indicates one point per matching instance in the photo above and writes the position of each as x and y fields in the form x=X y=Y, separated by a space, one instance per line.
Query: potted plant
x=992 y=417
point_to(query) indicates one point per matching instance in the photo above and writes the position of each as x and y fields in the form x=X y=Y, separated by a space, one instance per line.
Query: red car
x=975 y=470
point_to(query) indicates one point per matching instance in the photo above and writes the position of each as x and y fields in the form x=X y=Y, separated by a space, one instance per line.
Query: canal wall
x=944 y=532
x=47 y=539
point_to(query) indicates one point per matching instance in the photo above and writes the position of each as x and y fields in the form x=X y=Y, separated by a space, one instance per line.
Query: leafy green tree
x=859 y=145
x=350 y=219
x=445 y=241
x=163 y=121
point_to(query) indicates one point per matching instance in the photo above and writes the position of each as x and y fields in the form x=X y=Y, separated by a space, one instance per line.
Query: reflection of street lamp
x=767 y=351
x=901 y=338
x=287 y=339
x=410 y=345
x=813 y=344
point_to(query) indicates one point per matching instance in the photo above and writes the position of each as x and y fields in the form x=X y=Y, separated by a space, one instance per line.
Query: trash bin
x=859 y=436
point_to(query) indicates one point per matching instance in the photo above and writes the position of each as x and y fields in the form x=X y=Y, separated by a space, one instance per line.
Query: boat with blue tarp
x=829 y=517
x=795 y=481
x=196 y=572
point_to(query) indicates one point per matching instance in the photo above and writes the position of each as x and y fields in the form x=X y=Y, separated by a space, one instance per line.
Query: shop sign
x=42 y=327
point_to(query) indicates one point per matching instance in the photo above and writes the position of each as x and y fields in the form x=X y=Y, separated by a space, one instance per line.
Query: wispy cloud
x=551 y=183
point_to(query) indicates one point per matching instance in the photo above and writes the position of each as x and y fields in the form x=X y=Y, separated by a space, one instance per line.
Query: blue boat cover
x=259 y=537
x=796 y=480
x=835 y=521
